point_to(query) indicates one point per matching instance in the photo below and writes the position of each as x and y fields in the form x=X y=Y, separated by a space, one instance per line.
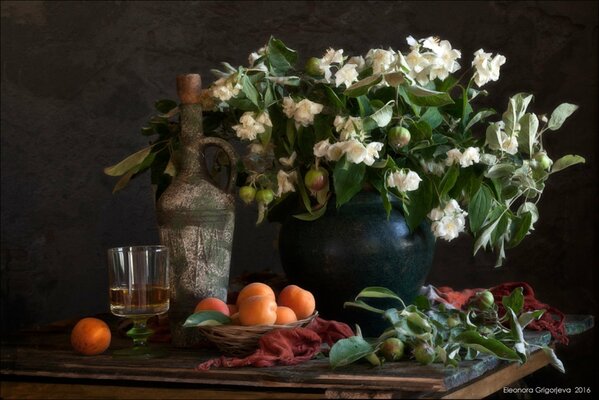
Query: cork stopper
x=189 y=87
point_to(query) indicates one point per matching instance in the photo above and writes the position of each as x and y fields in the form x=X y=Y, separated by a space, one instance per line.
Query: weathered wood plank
x=48 y=354
x=494 y=381
x=59 y=391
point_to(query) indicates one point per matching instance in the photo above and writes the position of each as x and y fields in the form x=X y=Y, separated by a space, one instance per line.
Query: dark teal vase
x=353 y=247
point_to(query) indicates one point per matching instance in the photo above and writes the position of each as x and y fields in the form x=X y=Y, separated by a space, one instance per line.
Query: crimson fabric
x=553 y=320
x=287 y=346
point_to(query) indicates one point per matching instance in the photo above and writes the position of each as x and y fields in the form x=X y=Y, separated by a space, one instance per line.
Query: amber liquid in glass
x=142 y=300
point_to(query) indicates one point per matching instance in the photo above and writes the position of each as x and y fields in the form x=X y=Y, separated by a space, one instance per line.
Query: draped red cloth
x=287 y=346
x=553 y=320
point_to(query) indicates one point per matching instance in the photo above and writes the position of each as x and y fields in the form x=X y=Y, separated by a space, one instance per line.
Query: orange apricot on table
x=299 y=300
x=90 y=336
x=285 y=315
x=212 y=304
x=258 y=310
x=255 y=289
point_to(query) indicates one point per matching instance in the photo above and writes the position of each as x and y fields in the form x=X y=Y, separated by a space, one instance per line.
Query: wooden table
x=41 y=364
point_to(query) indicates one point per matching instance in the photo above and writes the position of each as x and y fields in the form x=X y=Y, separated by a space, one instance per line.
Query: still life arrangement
x=401 y=131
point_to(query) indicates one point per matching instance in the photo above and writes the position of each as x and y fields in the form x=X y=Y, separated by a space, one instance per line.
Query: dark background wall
x=79 y=79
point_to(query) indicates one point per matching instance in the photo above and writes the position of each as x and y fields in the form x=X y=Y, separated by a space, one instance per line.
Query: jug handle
x=229 y=151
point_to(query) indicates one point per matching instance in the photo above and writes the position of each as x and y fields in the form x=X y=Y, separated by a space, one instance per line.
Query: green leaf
x=204 y=318
x=449 y=180
x=529 y=125
x=520 y=227
x=250 y=91
x=361 y=87
x=312 y=216
x=567 y=161
x=362 y=305
x=432 y=117
x=280 y=57
x=421 y=130
x=514 y=301
x=165 y=105
x=527 y=317
x=560 y=114
x=516 y=108
x=128 y=163
x=479 y=208
x=479 y=117
x=304 y=196
x=394 y=79
x=555 y=362
x=485 y=237
x=123 y=181
x=419 y=203
x=346 y=351
x=377 y=292
x=334 y=98
x=381 y=117
x=428 y=98
x=347 y=178
x=404 y=95
x=500 y=170
x=476 y=341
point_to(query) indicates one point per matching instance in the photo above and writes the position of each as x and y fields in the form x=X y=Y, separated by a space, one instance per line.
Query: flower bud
x=424 y=353
x=313 y=66
x=392 y=349
x=453 y=321
x=398 y=137
x=543 y=160
x=485 y=300
x=247 y=194
x=265 y=196
x=316 y=179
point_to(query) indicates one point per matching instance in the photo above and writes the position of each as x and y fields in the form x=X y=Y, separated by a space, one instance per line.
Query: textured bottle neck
x=191 y=134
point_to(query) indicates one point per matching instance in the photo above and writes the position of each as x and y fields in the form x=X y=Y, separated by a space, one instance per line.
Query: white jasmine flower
x=355 y=152
x=404 y=181
x=452 y=207
x=358 y=61
x=470 y=156
x=448 y=228
x=445 y=60
x=321 y=148
x=288 y=107
x=225 y=88
x=449 y=221
x=487 y=68
x=331 y=56
x=335 y=151
x=435 y=168
x=372 y=152
x=264 y=119
x=498 y=139
x=285 y=182
x=453 y=157
x=381 y=60
x=251 y=125
x=430 y=58
x=348 y=127
x=288 y=161
x=305 y=111
x=346 y=75
x=436 y=214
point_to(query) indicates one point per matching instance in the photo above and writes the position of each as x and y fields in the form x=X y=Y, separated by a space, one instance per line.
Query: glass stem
x=140 y=332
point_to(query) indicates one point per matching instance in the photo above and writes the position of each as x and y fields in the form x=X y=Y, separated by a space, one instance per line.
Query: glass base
x=141 y=352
